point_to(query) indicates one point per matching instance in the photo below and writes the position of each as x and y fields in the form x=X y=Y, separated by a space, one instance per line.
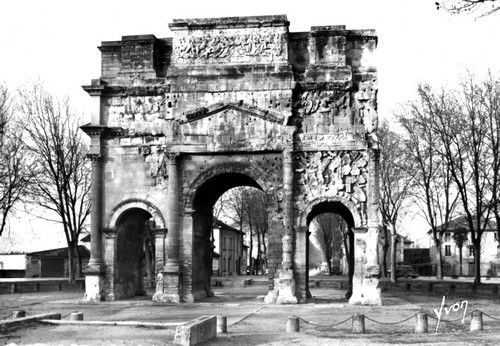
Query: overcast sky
x=56 y=41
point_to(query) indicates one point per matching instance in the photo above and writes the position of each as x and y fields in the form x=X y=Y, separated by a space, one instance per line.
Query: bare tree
x=15 y=166
x=490 y=101
x=396 y=179
x=328 y=230
x=462 y=126
x=434 y=194
x=480 y=7
x=62 y=181
x=246 y=207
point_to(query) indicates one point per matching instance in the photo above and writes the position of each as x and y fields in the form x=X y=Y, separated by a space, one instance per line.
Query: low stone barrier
x=9 y=324
x=421 y=322
x=197 y=331
x=18 y=285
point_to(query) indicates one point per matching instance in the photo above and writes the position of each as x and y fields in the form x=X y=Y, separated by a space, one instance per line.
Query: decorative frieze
x=229 y=46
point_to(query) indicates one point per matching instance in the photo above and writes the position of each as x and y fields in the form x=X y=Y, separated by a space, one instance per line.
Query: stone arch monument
x=230 y=102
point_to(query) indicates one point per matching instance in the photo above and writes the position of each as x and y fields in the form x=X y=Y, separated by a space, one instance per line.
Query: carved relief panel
x=332 y=173
x=320 y=110
x=249 y=45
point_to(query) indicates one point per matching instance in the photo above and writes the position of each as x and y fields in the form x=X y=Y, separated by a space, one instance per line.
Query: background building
x=41 y=264
x=490 y=250
x=229 y=255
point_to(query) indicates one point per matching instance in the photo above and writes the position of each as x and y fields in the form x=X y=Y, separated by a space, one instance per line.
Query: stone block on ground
x=197 y=331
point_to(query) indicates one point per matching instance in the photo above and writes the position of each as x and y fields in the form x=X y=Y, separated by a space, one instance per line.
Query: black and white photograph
x=250 y=173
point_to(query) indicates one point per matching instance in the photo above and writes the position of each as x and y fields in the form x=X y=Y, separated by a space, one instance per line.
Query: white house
x=490 y=250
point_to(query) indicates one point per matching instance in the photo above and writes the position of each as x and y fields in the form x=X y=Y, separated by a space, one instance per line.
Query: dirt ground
x=250 y=321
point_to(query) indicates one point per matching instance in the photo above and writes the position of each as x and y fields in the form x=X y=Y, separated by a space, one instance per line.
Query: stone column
x=366 y=268
x=171 y=270
x=286 y=281
x=110 y=260
x=160 y=234
x=94 y=272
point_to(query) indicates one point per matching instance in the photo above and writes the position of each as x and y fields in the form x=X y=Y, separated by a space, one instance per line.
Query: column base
x=284 y=290
x=166 y=298
x=167 y=288
x=365 y=292
x=94 y=288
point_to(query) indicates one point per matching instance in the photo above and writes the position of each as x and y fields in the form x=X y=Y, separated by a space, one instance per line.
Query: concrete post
x=358 y=323
x=292 y=324
x=286 y=281
x=476 y=321
x=76 y=316
x=421 y=323
x=221 y=324
x=171 y=270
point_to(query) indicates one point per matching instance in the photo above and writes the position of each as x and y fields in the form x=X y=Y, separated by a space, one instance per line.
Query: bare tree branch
x=61 y=183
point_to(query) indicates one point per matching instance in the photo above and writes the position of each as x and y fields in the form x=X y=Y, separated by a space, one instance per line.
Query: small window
x=447 y=250
x=447 y=236
x=471 y=250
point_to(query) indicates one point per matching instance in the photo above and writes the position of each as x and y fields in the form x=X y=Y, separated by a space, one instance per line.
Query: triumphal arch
x=229 y=102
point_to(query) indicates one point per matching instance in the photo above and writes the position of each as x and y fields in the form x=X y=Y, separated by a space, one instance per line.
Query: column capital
x=96 y=88
x=171 y=158
x=359 y=229
x=373 y=154
x=96 y=158
x=189 y=211
x=160 y=232
x=109 y=233
x=287 y=155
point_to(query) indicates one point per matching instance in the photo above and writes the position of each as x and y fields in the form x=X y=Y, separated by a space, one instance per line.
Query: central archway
x=202 y=223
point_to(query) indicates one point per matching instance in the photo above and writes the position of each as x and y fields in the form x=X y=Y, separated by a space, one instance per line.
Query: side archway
x=130 y=247
x=123 y=206
x=343 y=207
x=352 y=217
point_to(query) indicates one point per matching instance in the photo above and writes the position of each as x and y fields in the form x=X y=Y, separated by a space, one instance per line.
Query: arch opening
x=134 y=251
x=330 y=244
x=218 y=248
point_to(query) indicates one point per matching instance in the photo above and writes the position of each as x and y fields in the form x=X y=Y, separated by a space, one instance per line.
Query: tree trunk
x=477 y=264
x=71 y=264
x=439 y=275
x=460 y=259
x=259 y=261
x=385 y=248
x=78 y=263
x=393 y=253
x=250 y=250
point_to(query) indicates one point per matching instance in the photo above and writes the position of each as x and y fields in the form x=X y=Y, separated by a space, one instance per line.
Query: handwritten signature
x=455 y=307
